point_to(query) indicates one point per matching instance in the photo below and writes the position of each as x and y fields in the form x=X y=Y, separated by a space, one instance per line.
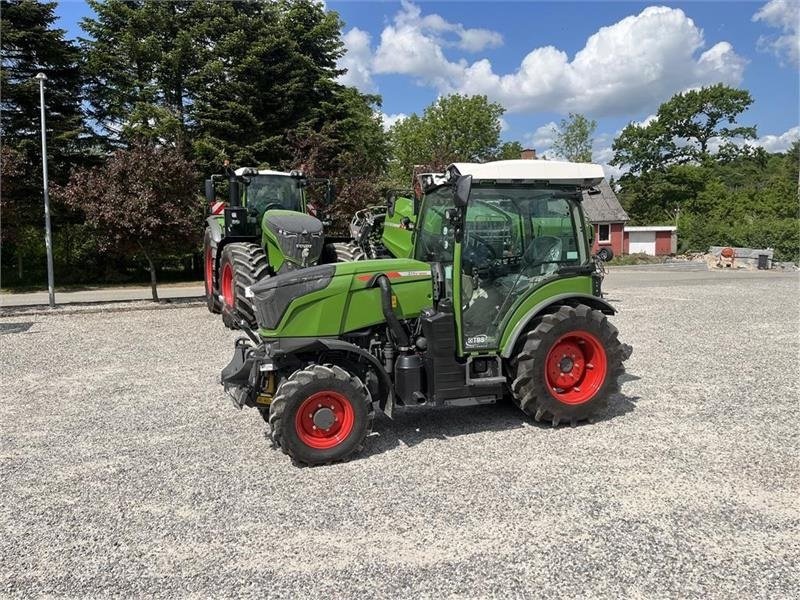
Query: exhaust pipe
x=388 y=313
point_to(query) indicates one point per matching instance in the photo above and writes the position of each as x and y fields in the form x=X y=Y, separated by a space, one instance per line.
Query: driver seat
x=542 y=248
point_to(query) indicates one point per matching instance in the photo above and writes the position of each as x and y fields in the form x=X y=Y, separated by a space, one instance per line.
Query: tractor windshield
x=515 y=238
x=271 y=192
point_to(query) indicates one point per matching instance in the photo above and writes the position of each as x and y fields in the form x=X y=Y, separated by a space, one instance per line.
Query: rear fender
x=547 y=306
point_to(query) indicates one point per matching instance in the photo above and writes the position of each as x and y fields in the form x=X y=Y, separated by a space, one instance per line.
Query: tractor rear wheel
x=242 y=264
x=348 y=252
x=568 y=366
x=209 y=274
x=320 y=414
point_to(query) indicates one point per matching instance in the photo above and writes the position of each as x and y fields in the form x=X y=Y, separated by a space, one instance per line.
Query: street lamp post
x=48 y=238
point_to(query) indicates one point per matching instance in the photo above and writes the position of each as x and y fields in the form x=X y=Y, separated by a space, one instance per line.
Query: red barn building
x=607 y=216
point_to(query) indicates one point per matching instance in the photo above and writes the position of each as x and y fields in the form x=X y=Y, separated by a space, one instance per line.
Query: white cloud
x=783 y=15
x=542 y=137
x=779 y=143
x=357 y=60
x=771 y=142
x=629 y=66
x=389 y=120
x=633 y=64
x=475 y=40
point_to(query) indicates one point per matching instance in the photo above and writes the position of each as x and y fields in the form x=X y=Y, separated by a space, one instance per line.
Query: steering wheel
x=277 y=205
x=482 y=242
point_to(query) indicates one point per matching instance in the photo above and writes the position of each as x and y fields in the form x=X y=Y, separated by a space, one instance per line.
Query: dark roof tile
x=603 y=207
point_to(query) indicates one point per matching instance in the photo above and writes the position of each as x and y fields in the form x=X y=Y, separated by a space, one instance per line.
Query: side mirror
x=209 y=191
x=463 y=187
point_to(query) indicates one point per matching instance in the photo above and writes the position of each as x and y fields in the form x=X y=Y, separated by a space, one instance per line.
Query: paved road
x=105 y=294
x=125 y=471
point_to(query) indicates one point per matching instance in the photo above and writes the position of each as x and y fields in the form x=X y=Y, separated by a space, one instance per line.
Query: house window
x=604 y=233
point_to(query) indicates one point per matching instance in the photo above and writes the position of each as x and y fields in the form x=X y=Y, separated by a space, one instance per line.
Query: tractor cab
x=497 y=233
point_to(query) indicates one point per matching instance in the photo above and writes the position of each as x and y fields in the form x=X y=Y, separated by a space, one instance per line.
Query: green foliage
x=509 y=151
x=638 y=258
x=31 y=44
x=737 y=196
x=573 y=138
x=454 y=128
x=683 y=129
x=142 y=202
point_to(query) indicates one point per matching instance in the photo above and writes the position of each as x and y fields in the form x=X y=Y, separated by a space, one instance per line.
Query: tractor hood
x=298 y=236
x=328 y=300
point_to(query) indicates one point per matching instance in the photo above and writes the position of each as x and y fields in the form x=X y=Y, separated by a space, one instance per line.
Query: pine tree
x=270 y=70
x=139 y=58
x=30 y=45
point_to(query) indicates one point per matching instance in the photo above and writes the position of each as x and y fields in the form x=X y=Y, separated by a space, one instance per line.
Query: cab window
x=515 y=239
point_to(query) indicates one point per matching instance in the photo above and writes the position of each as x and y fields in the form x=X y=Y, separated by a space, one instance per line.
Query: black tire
x=605 y=254
x=530 y=388
x=248 y=264
x=304 y=386
x=348 y=252
x=210 y=275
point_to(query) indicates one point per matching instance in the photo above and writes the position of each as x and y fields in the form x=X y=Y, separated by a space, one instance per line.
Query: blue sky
x=613 y=61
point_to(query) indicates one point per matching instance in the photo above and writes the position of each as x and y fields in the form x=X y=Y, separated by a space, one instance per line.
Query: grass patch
x=636 y=259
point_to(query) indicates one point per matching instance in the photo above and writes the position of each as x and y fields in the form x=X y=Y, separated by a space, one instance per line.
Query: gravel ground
x=124 y=471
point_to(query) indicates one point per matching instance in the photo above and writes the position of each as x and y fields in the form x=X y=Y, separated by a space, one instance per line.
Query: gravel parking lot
x=125 y=471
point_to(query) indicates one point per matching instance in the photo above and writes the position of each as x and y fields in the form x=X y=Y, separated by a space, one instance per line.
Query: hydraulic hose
x=397 y=329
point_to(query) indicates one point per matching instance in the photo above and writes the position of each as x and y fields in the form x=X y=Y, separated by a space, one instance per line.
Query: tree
x=30 y=44
x=685 y=129
x=270 y=70
x=454 y=128
x=573 y=138
x=509 y=151
x=140 y=56
x=143 y=201
x=350 y=148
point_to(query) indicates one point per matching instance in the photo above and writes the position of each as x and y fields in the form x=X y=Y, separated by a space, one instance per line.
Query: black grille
x=301 y=249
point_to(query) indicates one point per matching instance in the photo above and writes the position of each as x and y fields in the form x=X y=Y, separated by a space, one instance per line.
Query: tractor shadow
x=412 y=426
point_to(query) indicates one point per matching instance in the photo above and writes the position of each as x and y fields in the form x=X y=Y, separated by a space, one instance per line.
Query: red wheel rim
x=209 y=273
x=227 y=285
x=324 y=420
x=576 y=367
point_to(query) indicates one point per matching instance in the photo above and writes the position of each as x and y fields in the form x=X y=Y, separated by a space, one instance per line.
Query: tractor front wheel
x=209 y=273
x=568 y=366
x=241 y=265
x=320 y=414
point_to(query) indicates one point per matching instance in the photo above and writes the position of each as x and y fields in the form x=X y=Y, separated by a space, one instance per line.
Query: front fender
x=559 y=300
x=285 y=347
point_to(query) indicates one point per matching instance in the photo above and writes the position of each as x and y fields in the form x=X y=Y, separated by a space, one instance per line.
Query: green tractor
x=500 y=297
x=263 y=230
x=385 y=231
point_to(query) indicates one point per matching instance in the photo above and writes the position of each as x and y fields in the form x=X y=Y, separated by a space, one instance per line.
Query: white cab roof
x=583 y=174
x=241 y=170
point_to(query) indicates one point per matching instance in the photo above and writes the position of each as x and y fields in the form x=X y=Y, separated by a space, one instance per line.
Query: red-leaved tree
x=144 y=201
